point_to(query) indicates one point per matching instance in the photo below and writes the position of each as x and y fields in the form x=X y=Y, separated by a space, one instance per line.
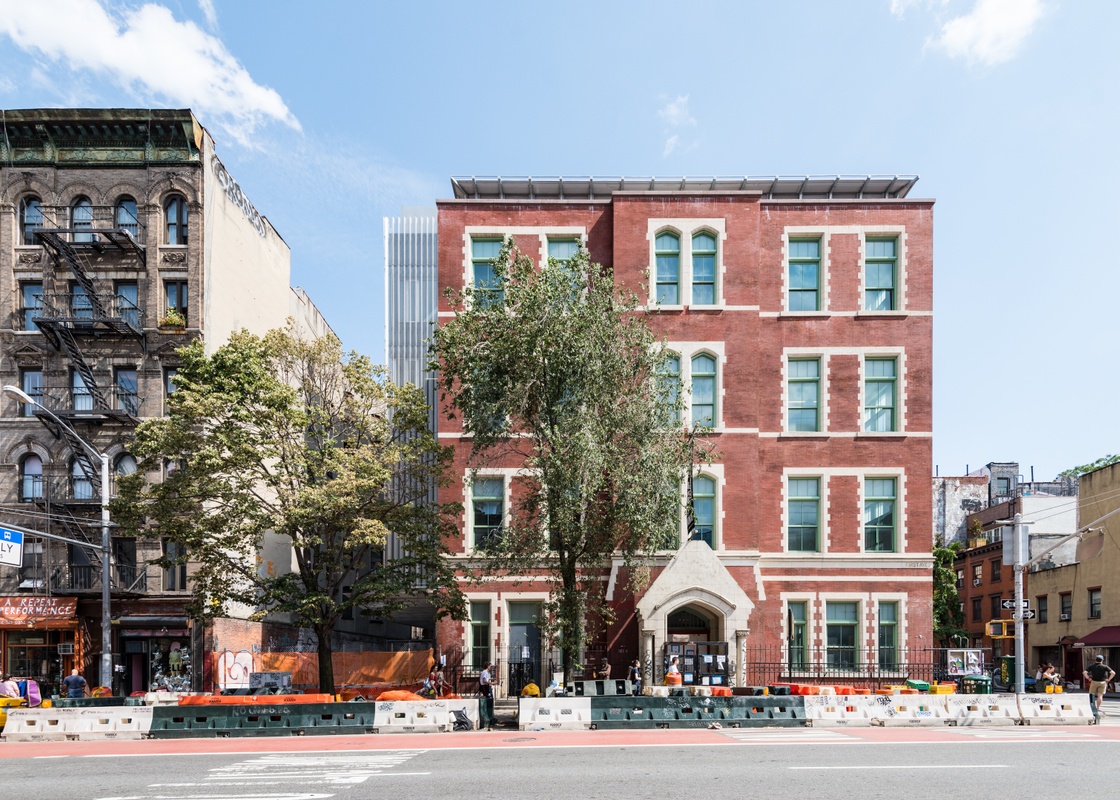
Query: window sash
x=703 y=509
x=804 y=515
x=804 y=274
x=880 y=377
x=487 y=501
x=880 y=274
x=704 y=391
x=32 y=296
x=798 y=625
x=840 y=632
x=667 y=257
x=888 y=635
x=487 y=286
x=879 y=515
x=804 y=394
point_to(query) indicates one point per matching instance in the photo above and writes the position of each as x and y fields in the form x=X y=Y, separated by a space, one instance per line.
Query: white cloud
x=211 y=14
x=991 y=33
x=151 y=54
x=675 y=112
x=675 y=115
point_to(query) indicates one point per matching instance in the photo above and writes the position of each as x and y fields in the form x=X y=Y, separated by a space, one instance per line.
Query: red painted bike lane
x=681 y=737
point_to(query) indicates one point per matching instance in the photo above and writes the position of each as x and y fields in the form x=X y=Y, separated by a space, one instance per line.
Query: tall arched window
x=81 y=219
x=30 y=219
x=703 y=509
x=671 y=386
x=667 y=249
x=125 y=216
x=703 y=269
x=125 y=464
x=31 y=478
x=175 y=209
x=703 y=391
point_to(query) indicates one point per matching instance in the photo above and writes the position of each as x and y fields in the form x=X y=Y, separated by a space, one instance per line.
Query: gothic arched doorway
x=692 y=624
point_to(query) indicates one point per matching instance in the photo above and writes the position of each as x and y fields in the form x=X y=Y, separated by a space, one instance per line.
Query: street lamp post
x=106 y=673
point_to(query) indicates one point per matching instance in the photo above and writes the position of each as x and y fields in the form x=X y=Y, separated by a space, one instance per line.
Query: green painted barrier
x=697 y=712
x=297 y=719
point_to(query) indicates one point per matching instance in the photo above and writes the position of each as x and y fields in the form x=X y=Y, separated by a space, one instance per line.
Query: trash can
x=976 y=684
x=921 y=686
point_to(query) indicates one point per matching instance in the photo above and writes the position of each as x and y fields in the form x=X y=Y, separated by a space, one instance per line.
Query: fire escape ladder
x=90 y=468
x=74 y=353
x=73 y=259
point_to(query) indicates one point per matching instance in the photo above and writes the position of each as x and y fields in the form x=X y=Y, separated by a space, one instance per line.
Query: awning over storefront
x=1108 y=636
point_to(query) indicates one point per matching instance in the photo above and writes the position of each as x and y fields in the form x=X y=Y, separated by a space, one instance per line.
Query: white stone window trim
x=506 y=474
x=821 y=233
x=685 y=228
x=685 y=351
x=716 y=473
x=805 y=354
x=900 y=627
x=897 y=232
x=823 y=512
x=899 y=356
x=504 y=233
x=899 y=477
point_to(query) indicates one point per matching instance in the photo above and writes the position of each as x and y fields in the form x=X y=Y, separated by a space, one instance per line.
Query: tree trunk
x=326 y=662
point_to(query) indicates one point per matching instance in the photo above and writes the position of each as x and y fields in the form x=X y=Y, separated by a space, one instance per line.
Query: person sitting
x=9 y=688
x=604 y=672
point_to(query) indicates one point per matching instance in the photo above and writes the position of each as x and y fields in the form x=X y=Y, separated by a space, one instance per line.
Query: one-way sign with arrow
x=1011 y=603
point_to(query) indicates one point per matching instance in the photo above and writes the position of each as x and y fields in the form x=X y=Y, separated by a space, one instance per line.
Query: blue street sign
x=11 y=548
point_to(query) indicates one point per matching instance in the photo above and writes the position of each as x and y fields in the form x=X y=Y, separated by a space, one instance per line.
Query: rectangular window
x=977 y=609
x=804 y=274
x=128 y=308
x=176 y=297
x=977 y=574
x=1066 y=600
x=168 y=381
x=562 y=249
x=174 y=575
x=798 y=624
x=804 y=514
x=480 y=634
x=960 y=579
x=888 y=636
x=488 y=504
x=996 y=605
x=878 y=515
x=125 y=385
x=1095 y=603
x=487 y=284
x=1043 y=602
x=31 y=381
x=703 y=391
x=1003 y=487
x=804 y=394
x=881 y=260
x=80 y=304
x=703 y=269
x=80 y=395
x=841 y=625
x=31 y=294
x=996 y=570
x=879 y=394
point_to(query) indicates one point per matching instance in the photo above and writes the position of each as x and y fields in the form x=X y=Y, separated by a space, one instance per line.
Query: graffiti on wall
x=233 y=669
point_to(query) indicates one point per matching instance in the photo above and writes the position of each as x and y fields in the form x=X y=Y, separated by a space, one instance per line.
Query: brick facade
x=753 y=334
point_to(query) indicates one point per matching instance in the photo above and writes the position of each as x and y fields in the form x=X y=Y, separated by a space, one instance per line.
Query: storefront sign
x=25 y=611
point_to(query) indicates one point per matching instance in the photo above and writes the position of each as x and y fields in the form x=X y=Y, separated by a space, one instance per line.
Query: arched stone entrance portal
x=694 y=594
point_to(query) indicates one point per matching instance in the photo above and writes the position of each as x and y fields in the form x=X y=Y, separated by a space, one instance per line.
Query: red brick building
x=801 y=313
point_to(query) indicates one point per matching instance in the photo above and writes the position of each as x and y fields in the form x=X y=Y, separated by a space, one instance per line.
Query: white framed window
x=486 y=505
x=880 y=394
x=805 y=252
x=701 y=376
x=842 y=633
x=686 y=257
x=880 y=515
x=888 y=635
x=484 y=279
x=701 y=515
x=803 y=514
x=803 y=395
x=883 y=277
x=797 y=633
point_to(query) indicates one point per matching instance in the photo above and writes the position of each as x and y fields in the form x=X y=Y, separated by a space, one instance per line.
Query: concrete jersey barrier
x=854 y=711
x=554 y=713
x=1056 y=709
x=983 y=709
x=81 y=724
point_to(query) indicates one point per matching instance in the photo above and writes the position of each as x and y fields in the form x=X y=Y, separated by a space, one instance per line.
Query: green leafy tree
x=1084 y=469
x=280 y=438
x=948 y=618
x=551 y=370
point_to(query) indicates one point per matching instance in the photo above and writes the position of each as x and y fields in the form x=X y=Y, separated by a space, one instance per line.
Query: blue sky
x=332 y=115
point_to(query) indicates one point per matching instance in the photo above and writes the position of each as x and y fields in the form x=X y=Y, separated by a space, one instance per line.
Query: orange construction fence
x=408 y=667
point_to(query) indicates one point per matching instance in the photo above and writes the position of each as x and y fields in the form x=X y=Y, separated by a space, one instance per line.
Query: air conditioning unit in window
x=1064 y=617
x=977 y=581
x=66 y=649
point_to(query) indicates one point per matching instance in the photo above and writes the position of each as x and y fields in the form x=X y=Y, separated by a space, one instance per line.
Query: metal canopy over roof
x=809 y=187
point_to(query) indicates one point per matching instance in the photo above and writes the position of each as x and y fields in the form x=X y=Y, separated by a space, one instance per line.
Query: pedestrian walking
x=74 y=684
x=486 y=692
x=1098 y=674
x=635 y=676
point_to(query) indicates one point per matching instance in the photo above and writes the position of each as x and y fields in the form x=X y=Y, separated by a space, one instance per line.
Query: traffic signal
x=1000 y=629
